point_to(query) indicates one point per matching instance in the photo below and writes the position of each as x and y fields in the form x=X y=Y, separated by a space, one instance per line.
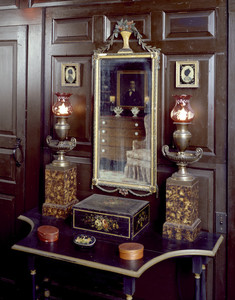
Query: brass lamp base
x=182 y=159
x=61 y=147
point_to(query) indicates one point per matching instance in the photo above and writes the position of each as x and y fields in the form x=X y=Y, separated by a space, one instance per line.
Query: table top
x=104 y=254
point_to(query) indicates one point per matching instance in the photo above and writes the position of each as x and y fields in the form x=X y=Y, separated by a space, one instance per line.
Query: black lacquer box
x=111 y=216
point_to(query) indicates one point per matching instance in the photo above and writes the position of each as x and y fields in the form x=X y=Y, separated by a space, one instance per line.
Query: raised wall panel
x=80 y=120
x=142 y=23
x=206 y=197
x=9 y=4
x=72 y=30
x=202 y=102
x=42 y=3
x=189 y=25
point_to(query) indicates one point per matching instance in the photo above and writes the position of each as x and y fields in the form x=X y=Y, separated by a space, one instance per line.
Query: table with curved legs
x=104 y=255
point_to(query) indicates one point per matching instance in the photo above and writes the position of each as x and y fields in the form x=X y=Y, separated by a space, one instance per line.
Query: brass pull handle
x=18 y=146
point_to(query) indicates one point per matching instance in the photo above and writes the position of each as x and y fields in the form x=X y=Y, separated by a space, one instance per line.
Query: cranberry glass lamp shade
x=182 y=111
x=62 y=107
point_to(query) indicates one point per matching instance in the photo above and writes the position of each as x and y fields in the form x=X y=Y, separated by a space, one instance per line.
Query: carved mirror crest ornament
x=125 y=115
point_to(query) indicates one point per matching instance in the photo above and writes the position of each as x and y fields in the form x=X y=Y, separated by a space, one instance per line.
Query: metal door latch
x=18 y=146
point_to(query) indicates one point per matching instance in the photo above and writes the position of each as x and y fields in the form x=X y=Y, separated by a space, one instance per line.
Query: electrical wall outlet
x=221 y=222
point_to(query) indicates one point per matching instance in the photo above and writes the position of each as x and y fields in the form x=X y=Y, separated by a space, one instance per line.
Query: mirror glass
x=125 y=121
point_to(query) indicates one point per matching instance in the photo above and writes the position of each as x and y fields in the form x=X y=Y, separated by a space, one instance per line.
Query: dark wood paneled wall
x=231 y=156
x=183 y=33
x=68 y=31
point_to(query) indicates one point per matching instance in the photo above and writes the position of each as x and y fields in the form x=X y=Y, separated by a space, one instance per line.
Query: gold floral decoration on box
x=100 y=222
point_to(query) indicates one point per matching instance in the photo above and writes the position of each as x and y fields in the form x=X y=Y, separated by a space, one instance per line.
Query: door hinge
x=221 y=222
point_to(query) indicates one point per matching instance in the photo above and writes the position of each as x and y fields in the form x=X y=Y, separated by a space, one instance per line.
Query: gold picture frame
x=127 y=96
x=70 y=74
x=187 y=74
x=114 y=135
x=125 y=133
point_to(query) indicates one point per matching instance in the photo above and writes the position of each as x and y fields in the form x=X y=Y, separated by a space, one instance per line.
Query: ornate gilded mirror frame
x=125 y=116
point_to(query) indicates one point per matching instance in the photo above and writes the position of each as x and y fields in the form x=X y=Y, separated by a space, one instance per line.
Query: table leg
x=197 y=270
x=203 y=283
x=205 y=261
x=31 y=266
x=129 y=287
x=197 y=286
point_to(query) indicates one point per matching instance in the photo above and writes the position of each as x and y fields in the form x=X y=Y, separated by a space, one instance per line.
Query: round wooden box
x=47 y=233
x=131 y=251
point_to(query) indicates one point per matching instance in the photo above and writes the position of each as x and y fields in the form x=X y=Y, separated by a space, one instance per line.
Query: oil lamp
x=62 y=109
x=60 y=175
x=182 y=188
x=182 y=115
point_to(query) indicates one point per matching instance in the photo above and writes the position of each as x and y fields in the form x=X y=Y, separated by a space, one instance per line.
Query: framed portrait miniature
x=132 y=88
x=187 y=74
x=70 y=74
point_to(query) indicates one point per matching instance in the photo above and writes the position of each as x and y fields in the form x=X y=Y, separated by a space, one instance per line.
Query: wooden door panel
x=12 y=125
x=7 y=166
x=8 y=88
x=8 y=113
